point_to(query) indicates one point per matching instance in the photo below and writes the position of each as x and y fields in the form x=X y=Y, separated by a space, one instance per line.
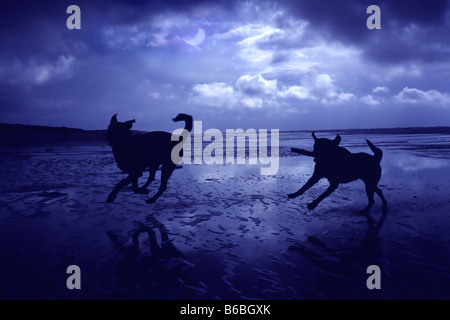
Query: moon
x=198 y=39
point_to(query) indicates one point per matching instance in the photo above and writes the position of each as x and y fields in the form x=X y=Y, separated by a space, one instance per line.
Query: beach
x=225 y=231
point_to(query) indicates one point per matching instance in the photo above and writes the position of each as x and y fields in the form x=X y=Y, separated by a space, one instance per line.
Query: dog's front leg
x=119 y=187
x=333 y=186
x=312 y=181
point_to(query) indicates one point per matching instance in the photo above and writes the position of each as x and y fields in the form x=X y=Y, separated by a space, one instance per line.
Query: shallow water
x=227 y=231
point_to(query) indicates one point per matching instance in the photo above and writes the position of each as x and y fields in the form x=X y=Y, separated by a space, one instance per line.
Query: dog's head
x=119 y=130
x=323 y=146
x=181 y=117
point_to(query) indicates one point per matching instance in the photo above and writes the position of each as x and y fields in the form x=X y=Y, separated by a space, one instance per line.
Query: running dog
x=135 y=153
x=339 y=165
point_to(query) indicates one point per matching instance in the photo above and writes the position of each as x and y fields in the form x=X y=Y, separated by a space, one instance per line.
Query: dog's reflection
x=371 y=242
x=157 y=271
x=341 y=272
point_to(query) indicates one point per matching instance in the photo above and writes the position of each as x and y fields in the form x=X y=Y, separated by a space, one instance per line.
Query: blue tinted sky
x=288 y=64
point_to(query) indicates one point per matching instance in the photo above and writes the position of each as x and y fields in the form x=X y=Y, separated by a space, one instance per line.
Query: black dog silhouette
x=339 y=165
x=134 y=153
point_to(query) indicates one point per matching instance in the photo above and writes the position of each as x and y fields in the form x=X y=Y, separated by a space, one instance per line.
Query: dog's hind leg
x=312 y=181
x=370 y=190
x=166 y=171
x=119 y=187
x=380 y=194
x=333 y=186
x=151 y=177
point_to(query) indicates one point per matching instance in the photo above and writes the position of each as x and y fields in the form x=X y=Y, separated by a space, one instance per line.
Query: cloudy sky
x=287 y=64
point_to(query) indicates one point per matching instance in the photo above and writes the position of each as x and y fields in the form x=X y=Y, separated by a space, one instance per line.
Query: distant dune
x=19 y=134
x=407 y=130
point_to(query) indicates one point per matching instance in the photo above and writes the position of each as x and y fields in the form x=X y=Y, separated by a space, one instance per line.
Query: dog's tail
x=186 y=118
x=378 y=154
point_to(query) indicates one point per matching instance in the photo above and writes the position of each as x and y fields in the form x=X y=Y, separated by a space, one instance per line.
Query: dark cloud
x=345 y=21
x=40 y=26
x=427 y=13
x=394 y=49
x=340 y=20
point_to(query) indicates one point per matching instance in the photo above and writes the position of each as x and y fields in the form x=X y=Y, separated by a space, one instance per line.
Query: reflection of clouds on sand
x=412 y=163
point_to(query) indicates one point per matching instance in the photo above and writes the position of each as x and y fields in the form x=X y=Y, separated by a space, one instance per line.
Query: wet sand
x=225 y=231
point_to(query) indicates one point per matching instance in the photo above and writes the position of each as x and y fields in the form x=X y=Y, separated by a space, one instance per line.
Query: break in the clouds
x=274 y=64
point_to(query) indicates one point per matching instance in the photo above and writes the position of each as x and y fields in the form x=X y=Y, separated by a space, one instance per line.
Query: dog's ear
x=314 y=136
x=337 y=140
x=129 y=123
x=114 y=118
